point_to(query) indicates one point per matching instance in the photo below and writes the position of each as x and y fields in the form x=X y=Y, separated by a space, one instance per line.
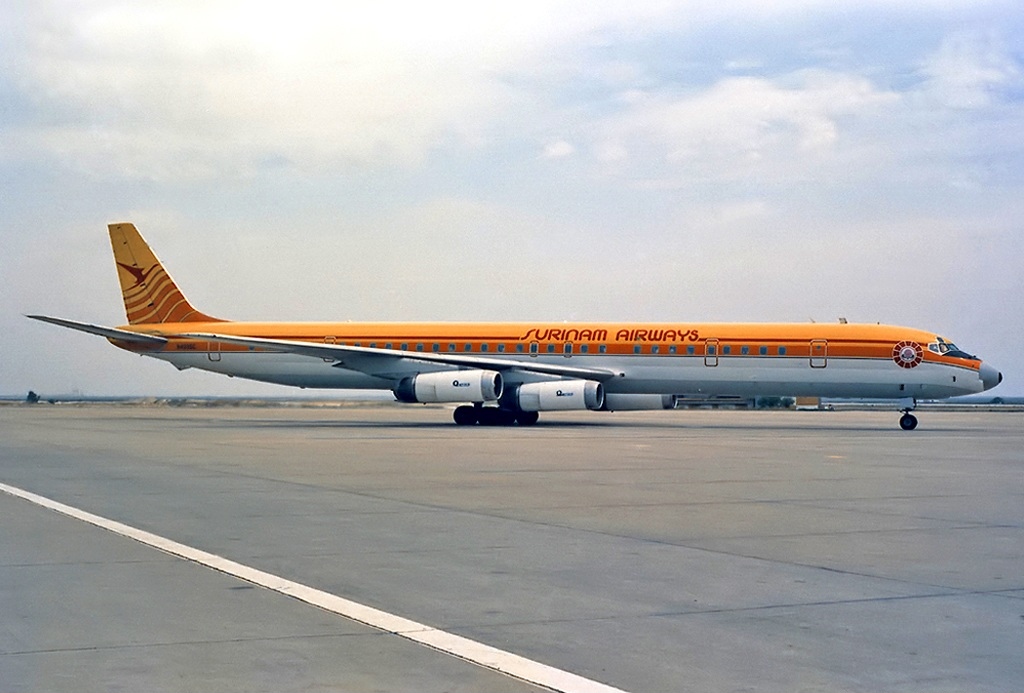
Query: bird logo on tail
x=140 y=275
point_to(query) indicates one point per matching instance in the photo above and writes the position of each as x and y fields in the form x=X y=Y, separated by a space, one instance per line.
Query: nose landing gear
x=908 y=422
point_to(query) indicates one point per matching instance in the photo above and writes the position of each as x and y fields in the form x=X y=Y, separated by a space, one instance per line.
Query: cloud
x=198 y=90
x=970 y=70
x=742 y=126
x=169 y=93
x=557 y=150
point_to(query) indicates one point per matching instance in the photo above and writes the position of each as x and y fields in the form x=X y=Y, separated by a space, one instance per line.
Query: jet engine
x=626 y=402
x=450 y=386
x=560 y=395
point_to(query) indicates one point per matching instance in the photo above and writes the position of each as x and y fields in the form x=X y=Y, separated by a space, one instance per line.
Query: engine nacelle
x=560 y=395
x=450 y=386
x=625 y=402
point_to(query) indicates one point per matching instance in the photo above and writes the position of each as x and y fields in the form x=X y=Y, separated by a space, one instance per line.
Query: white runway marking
x=455 y=645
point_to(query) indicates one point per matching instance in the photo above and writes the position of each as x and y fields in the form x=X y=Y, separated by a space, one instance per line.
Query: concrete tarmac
x=650 y=551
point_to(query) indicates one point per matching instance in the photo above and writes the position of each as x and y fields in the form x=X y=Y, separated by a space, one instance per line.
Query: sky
x=606 y=161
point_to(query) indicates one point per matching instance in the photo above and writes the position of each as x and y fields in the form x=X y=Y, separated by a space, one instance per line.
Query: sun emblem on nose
x=907 y=354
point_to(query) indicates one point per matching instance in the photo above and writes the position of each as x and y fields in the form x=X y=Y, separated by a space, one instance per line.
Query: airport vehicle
x=503 y=373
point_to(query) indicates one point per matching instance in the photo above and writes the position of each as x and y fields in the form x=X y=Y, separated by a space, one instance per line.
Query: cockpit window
x=947 y=348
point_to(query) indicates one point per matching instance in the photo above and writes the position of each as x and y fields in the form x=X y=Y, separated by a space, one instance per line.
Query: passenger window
x=483 y=347
x=672 y=349
x=636 y=349
x=744 y=350
x=763 y=351
x=584 y=348
x=691 y=350
x=782 y=351
x=655 y=349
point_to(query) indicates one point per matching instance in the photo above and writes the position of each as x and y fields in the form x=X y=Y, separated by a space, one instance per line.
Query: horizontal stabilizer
x=108 y=332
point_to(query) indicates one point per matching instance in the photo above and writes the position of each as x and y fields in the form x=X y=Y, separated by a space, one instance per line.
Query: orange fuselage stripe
x=835 y=340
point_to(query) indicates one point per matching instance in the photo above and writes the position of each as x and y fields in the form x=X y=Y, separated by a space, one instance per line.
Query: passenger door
x=819 y=353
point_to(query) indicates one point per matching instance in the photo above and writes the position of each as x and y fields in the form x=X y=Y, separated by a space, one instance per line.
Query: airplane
x=504 y=373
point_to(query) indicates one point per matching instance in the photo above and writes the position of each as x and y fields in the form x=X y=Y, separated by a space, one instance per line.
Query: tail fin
x=150 y=295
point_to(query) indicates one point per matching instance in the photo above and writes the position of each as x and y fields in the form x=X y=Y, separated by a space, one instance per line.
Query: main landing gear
x=467 y=415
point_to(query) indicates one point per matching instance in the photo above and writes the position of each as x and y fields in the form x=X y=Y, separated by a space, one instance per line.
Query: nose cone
x=990 y=377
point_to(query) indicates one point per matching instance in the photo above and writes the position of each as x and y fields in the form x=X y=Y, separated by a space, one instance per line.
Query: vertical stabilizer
x=150 y=295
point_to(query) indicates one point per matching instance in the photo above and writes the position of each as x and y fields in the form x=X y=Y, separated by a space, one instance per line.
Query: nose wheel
x=908 y=422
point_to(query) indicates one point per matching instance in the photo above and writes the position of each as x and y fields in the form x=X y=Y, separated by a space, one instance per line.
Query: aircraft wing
x=387 y=362
x=108 y=332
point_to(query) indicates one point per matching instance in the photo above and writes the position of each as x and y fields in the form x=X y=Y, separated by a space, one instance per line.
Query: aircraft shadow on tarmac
x=681 y=425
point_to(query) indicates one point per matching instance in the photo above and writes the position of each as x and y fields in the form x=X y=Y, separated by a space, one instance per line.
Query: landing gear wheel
x=506 y=418
x=465 y=415
x=527 y=418
x=469 y=415
x=493 y=416
x=908 y=422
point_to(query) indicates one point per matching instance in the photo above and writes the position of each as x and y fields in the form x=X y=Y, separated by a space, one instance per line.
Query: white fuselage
x=641 y=374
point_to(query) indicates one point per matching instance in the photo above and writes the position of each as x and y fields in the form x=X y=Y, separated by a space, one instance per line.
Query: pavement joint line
x=478 y=653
